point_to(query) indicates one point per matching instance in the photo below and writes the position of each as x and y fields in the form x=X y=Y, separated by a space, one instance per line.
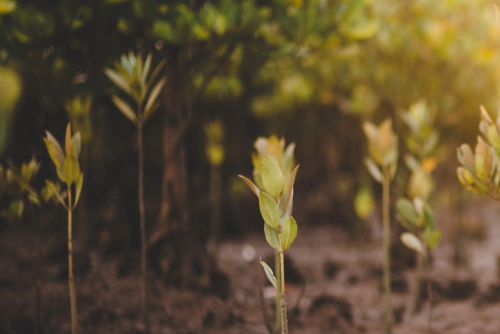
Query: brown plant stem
x=417 y=297
x=284 y=319
x=386 y=251
x=71 y=278
x=429 y=294
x=215 y=194
x=144 y=311
x=277 y=270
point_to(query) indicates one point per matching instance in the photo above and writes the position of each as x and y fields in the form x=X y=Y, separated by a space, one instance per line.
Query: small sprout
x=382 y=163
x=274 y=176
x=68 y=171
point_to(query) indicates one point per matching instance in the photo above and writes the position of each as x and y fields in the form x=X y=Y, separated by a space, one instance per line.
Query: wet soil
x=333 y=287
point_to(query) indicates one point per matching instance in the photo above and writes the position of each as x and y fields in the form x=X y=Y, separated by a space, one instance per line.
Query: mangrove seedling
x=132 y=75
x=417 y=217
x=68 y=171
x=382 y=163
x=275 y=195
x=422 y=141
x=286 y=160
x=480 y=172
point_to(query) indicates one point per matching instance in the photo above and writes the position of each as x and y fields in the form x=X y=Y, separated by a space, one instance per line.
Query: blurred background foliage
x=309 y=70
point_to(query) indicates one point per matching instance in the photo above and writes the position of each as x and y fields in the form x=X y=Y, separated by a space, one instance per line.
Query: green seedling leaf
x=288 y=232
x=269 y=210
x=145 y=70
x=373 y=170
x=155 y=73
x=125 y=109
x=153 y=96
x=406 y=210
x=272 y=176
x=55 y=191
x=71 y=169
x=33 y=198
x=411 y=241
x=434 y=239
x=251 y=185
x=68 y=142
x=54 y=149
x=465 y=156
x=78 y=188
x=289 y=191
x=272 y=236
x=270 y=275
x=364 y=203
x=118 y=80
x=76 y=144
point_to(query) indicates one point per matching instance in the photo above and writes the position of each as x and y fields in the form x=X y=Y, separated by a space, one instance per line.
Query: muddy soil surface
x=334 y=286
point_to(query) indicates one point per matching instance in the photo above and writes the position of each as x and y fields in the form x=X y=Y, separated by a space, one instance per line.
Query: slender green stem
x=284 y=318
x=277 y=270
x=144 y=303
x=386 y=251
x=71 y=278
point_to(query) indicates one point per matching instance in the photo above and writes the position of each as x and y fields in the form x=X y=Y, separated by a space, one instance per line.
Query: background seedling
x=422 y=141
x=382 y=163
x=68 y=171
x=214 y=132
x=422 y=237
x=274 y=188
x=132 y=75
x=480 y=172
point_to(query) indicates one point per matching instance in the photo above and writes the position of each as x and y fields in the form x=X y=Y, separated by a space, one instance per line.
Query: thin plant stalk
x=277 y=270
x=142 y=217
x=215 y=194
x=284 y=318
x=71 y=278
x=417 y=298
x=429 y=295
x=386 y=250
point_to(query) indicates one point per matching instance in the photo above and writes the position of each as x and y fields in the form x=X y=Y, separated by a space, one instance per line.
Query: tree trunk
x=175 y=249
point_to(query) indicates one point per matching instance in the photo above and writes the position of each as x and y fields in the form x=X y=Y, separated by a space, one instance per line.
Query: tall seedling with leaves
x=382 y=163
x=132 y=75
x=274 y=189
x=416 y=215
x=68 y=171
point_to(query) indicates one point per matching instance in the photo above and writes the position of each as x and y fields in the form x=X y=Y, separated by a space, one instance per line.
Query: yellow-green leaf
x=125 y=109
x=71 y=169
x=272 y=236
x=68 y=142
x=78 y=188
x=270 y=274
x=288 y=232
x=272 y=176
x=54 y=149
x=411 y=241
x=269 y=210
x=251 y=185
x=76 y=141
